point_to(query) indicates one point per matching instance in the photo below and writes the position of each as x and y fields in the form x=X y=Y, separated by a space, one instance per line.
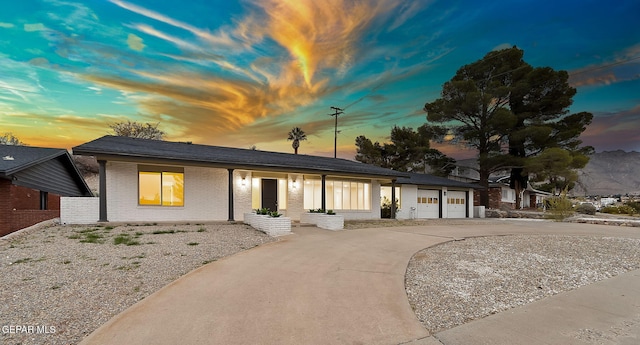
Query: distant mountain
x=607 y=173
x=610 y=173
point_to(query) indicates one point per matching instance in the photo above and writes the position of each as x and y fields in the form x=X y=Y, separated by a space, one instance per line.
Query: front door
x=270 y=194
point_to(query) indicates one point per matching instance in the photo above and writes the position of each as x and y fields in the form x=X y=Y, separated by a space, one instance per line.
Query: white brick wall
x=206 y=196
x=272 y=226
x=81 y=210
x=241 y=194
x=295 y=197
x=324 y=221
x=408 y=199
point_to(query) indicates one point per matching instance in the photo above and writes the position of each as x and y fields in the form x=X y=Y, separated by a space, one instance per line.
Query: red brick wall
x=23 y=198
x=20 y=207
x=495 y=198
x=5 y=207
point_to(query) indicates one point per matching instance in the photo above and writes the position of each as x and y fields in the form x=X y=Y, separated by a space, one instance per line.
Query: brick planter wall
x=323 y=221
x=272 y=226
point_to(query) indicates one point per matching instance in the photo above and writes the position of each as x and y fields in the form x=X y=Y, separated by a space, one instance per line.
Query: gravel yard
x=457 y=282
x=69 y=280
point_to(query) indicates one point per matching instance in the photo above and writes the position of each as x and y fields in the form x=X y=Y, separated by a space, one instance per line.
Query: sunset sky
x=243 y=73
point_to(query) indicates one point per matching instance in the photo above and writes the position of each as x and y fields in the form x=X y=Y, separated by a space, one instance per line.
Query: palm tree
x=296 y=135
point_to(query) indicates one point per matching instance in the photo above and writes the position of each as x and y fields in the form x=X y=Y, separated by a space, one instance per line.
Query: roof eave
x=117 y=156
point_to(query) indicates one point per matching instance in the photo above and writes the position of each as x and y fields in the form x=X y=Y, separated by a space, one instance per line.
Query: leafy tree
x=509 y=112
x=409 y=150
x=296 y=134
x=135 y=129
x=9 y=139
x=556 y=167
x=540 y=102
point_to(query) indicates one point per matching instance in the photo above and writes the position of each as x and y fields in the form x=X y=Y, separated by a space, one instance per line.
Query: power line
x=606 y=66
x=337 y=112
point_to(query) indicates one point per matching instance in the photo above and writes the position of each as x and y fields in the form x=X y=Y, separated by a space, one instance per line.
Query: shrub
x=330 y=212
x=385 y=208
x=263 y=211
x=624 y=209
x=274 y=214
x=635 y=205
x=319 y=210
x=586 y=208
x=559 y=207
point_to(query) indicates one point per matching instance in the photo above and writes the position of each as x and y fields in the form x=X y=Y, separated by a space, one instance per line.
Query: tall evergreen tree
x=509 y=111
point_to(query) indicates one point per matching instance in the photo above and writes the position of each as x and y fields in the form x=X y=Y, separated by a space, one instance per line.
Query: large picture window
x=341 y=195
x=160 y=186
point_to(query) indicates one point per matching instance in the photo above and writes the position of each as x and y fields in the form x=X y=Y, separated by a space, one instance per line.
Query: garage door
x=428 y=204
x=456 y=204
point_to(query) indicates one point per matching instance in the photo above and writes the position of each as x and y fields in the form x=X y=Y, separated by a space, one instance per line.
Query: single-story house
x=153 y=180
x=150 y=180
x=428 y=196
x=32 y=179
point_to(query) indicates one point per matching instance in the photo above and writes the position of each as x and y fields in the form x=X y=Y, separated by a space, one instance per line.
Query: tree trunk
x=518 y=188
x=484 y=192
x=295 y=145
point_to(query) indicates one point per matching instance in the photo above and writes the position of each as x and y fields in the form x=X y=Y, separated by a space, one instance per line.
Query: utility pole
x=338 y=111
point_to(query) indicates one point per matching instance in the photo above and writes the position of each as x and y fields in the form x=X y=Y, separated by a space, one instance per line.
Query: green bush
x=624 y=209
x=635 y=205
x=586 y=208
x=559 y=207
x=275 y=214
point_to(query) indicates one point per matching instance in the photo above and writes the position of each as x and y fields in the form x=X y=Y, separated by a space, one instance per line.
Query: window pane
x=367 y=196
x=308 y=194
x=329 y=186
x=317 y=193
x=149 y=191
x=255 y=193
x=282 y=194
x=337 y=196
x=354 y=195
x=172 y=189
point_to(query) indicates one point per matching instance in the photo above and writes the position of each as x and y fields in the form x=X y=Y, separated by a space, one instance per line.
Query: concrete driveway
x=313 y=287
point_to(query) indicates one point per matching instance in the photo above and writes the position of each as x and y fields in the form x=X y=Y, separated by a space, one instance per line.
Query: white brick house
x=149 y=180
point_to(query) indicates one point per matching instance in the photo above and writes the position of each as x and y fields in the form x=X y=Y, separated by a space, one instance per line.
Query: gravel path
x=457 y=282
x=70 y=280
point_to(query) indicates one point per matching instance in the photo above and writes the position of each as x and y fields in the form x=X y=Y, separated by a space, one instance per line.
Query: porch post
x=393 y=199
x=102 y=189
x=324 y=193
x=231 y=195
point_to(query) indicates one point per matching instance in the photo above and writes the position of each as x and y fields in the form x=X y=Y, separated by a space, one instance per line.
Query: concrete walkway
x=347 y=287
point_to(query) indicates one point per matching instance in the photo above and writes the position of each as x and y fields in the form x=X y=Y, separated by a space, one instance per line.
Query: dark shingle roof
x=431 y=180
x=46 y=169
x=14 y=158
x=115 y=147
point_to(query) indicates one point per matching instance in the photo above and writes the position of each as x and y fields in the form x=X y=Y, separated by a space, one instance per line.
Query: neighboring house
x=150 y=180
x=32 y=179
x=428 y=196
x=502 y=196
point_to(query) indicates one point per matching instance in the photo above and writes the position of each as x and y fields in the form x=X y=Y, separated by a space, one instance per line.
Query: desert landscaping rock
x=57 y=278
x=457 y=282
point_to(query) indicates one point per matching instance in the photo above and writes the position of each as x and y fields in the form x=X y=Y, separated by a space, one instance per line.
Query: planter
x=323 y=221
x=272 y=226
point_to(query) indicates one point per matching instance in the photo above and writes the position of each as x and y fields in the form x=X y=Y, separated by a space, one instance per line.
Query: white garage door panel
x=456 y=204
x=428 y=204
